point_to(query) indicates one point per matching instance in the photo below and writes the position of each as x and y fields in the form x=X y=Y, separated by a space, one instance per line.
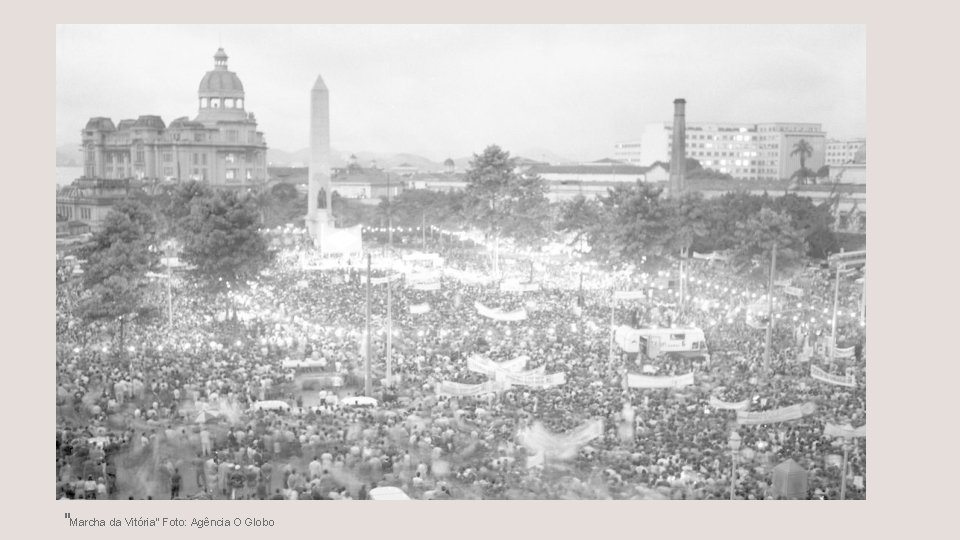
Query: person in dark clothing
x=175 y=484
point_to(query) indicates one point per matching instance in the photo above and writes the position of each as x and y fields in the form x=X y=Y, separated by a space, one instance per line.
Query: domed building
x=220 y=146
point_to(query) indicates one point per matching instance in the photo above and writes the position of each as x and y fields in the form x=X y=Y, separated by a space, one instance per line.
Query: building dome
x=220 y=93
x=220 y=82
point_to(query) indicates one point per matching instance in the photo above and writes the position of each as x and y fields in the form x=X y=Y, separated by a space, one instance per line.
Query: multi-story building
x=220 y=146
x=841 y=151
x=629 y=152
x=742 y=150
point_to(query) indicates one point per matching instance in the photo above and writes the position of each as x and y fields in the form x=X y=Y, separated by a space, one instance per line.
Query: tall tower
x=678 y=158
x=319 y=200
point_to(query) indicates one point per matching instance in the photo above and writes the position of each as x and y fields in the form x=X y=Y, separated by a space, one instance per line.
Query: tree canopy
x=222 y=240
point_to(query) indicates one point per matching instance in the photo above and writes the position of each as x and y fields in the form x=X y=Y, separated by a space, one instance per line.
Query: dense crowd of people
x=214 y=407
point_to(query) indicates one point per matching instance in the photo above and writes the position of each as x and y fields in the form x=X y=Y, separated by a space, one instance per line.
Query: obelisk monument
x=319 y=211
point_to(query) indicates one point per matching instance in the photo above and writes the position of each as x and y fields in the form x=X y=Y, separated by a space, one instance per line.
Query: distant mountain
x=69 y=155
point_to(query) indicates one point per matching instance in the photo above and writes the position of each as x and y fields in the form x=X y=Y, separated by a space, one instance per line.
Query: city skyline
x=573 y=90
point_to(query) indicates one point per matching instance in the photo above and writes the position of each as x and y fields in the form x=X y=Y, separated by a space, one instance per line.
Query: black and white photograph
x=461 y=262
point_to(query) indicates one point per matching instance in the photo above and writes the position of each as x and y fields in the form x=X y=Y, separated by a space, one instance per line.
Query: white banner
x=541 y=441
x=485 y=366
x=846 y=430
x=534 y=378
x=431 y=286
x=844 y=353
x=385 y=279
x=629 y=295
x=783 y=414
x=305 y=364
x=467 y=278
x=643 y=381
x=419 y=309
x=716 y=403
x=841 y=380
x=500 y=315
x=514 y=286
x=417 y=256
x=345 y=241
x=710 y=256
x=793 y=291
x=450 y=388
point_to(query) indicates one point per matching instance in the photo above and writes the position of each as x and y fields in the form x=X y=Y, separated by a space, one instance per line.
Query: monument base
x=318 y=226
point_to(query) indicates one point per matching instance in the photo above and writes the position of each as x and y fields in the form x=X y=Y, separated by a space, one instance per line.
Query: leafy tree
x=579 y=216
x=222 y=240
x=686 y=221
x=501 y=202
x=118 y=259
x=756 y=237
x=175 y=203
x=638 y=223
x=812 y=220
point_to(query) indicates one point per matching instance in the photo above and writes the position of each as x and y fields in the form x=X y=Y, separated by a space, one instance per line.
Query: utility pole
x=682 y=296
x=366 y=378
x=766 y=349
x=613 y=301
x=423 y=230
x=389 y=331
x=836 y=299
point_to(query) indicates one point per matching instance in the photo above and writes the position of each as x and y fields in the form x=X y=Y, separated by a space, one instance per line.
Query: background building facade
x=221 y=146
x=745 y=151
x=840 y=151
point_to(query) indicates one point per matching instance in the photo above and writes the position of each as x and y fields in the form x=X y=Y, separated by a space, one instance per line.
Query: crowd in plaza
x=173 y=415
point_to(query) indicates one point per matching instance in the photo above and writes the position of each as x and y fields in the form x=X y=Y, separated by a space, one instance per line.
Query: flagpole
x=366 y=377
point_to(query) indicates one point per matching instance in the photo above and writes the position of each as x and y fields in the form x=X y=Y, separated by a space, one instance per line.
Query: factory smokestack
x=678 y=158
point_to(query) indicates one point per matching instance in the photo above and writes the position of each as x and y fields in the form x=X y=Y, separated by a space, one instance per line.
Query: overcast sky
x=449 y=91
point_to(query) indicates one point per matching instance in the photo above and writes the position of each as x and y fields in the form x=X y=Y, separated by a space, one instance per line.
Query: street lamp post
x=767 y=344
x=843 y=472
x=734 y=442
x=169 y=252
x=366 y=360
x=836 y=300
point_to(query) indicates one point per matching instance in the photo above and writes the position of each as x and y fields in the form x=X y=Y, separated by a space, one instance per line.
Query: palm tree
x=803 y=150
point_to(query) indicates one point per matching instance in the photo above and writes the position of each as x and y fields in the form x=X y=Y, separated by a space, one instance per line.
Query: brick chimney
x=678 y=157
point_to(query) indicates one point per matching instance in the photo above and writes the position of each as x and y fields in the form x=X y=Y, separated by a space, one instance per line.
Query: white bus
x=654 y=342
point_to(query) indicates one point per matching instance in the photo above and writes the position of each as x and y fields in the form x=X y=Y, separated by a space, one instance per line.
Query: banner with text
x=644 y=381
x=430 y=286
x=716 y=403
x=534 y=378
x=420 y=309
x=793 y=291
x=783 y=414
x=455 y=389
x=844 y=353
x=629 y=295
x=485 y=366
x=515 y=286
x=846 y=430
x=499 y=314
x=385 y=279
x=841 y=380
